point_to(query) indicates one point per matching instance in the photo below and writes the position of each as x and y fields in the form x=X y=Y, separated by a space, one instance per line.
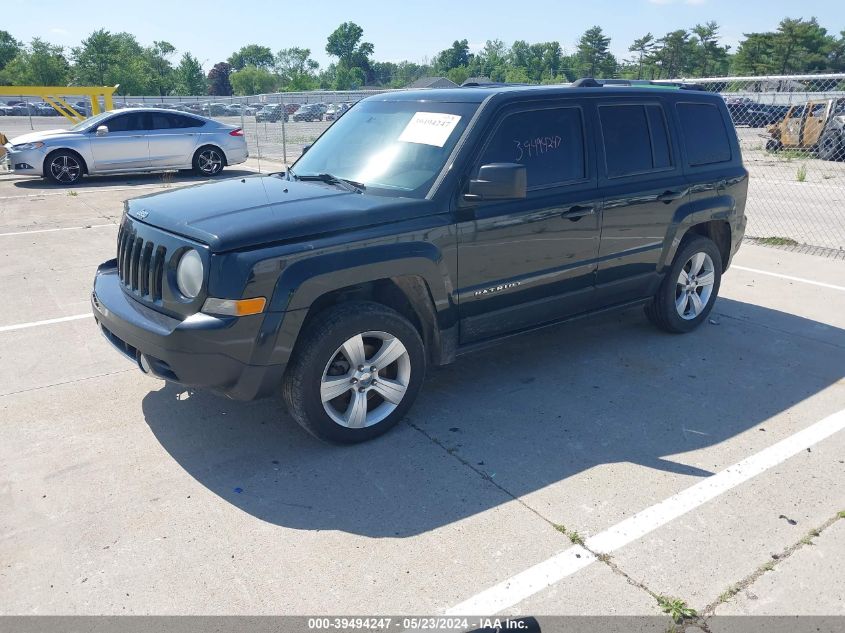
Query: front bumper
x=29 y=161
x=201 y=351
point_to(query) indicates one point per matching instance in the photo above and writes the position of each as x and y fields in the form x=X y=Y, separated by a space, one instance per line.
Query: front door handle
x=577 y=212
x=670 y=196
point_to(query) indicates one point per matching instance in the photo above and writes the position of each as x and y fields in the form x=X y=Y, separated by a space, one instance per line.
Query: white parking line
x=534 y=579
x=65 y=228
x=22 y=326
x=790 y=278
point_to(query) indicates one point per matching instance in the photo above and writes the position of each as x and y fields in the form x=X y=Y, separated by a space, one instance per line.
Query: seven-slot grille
x=140 y=264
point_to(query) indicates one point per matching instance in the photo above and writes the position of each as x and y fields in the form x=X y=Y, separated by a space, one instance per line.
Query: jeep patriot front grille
x=140 y=264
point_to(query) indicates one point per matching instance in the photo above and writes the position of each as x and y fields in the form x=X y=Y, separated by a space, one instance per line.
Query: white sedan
x=137 y=140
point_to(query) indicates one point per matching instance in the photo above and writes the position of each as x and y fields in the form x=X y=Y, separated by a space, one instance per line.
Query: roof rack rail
x=489 y=84
x=590 y=82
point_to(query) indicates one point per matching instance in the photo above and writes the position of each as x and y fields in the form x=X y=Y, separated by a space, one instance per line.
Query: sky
x=212 y=29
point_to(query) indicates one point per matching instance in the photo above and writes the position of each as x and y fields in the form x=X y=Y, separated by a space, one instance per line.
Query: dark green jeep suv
x=423 y=224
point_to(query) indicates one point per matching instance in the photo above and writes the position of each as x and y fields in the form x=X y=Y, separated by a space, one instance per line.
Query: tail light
x=236 y=132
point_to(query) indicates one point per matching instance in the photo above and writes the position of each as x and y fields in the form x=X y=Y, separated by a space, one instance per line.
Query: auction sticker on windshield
x=429 y=128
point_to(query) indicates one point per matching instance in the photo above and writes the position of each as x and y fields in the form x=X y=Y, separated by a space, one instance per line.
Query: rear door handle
x=577 y=212
x=670 y=196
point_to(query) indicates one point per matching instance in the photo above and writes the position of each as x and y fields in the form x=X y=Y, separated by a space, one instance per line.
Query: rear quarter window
x=705 y=136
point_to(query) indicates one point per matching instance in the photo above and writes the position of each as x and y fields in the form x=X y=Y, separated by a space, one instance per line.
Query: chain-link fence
x=791 y=130
x=792 y=133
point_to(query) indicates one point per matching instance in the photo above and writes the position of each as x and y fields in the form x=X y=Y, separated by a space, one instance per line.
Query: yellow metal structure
x=54 y=95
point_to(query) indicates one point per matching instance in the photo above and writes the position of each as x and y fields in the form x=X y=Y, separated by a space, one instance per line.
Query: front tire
x=208 y=161
x=64 y=167
x=355 y=372
x=689 y=289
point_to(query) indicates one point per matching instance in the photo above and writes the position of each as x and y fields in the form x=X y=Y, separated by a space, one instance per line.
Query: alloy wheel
x=210 y=162
x=365 y=379
x=65 y=168
x=694 y=286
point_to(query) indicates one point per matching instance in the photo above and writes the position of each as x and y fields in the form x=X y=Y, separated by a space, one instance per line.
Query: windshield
x=87 y=123
x=394 y=148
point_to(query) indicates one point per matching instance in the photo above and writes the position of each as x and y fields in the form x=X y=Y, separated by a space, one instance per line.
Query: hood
x=43 y=135
x=245 y=212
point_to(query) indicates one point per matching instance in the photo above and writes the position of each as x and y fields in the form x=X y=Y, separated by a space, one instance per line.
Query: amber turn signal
x=234 y=307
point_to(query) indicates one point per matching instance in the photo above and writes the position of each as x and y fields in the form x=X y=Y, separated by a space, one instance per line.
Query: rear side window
x=705 y=136
x=635 y=139
x=550 y=143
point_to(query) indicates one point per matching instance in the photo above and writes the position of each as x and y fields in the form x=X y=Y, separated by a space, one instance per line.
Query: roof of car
x=477 y=94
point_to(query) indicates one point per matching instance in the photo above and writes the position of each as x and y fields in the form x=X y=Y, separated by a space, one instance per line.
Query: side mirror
x=498 y=181
x=102 y=130
x=305 y=148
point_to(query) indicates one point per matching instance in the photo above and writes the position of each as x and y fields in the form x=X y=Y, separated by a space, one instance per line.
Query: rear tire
x=208 y=161
x=64 y=167
x=355 y=372
x=689 y=289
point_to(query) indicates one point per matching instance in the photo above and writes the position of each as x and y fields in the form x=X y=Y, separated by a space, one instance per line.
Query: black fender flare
x=303 y=282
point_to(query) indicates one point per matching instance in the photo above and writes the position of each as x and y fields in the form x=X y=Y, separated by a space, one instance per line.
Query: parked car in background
x=144 y=139
x=817 y=126
x=271 y=113
x=309 y=112
x=215 y=109
x=335 y=110
x=290 y=108
x=745 y=111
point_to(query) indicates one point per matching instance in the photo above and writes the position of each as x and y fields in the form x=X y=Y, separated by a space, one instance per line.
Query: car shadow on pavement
x=117 y=180
x=517 y=417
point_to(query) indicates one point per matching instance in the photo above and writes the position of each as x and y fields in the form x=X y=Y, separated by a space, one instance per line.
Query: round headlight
x=189 y=274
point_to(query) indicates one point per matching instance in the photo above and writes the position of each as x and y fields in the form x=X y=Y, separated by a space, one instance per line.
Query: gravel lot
x=707 y=467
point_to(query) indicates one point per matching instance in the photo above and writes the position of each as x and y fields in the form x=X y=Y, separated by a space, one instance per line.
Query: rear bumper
x=202 y=351
x=236 y=155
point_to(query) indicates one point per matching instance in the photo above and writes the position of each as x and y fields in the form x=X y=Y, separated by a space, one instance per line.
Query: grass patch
x=841 y=514
x=560 y=528
x=807 y=540
x=777 y=241
x=791 y=154
x=676 y=609
x=770 y=566
x=576 y=538
x=72 y=193
x=801 y=174
x=729 y=593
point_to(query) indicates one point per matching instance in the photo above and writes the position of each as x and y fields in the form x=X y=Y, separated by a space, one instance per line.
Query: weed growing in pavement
x=777 y=241
x=72 y=193
x=576 y=538
x=801 y=174
x=676 y=608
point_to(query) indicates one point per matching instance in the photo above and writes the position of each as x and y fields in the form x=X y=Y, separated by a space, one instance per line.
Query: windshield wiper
x=349 y=185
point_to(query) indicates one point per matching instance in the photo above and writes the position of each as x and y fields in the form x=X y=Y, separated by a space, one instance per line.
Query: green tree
x=593 y=57
x=754 y=56
x=800 y=46
x=157 y=58
x=643 y=47
x=189 y=78
x=218 y=80
x=38 y=64
x=456 y=55
x=296 y=69
x=345 y=44
x=252 y=55
x=106 y=59
x=9 y=48
x=252 y=81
